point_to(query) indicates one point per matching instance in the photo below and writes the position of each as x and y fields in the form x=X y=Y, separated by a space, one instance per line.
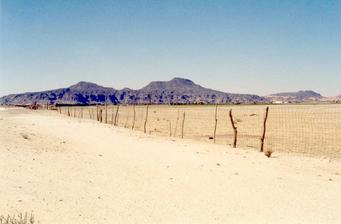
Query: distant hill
x=175 y=91
x=295 y=97
x=333 y=98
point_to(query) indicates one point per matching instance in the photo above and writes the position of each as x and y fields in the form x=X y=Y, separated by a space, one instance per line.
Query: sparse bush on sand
x=25 y=136
x=17 y=219
x=268 y=153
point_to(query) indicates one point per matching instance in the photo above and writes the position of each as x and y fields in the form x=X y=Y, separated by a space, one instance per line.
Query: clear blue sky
x=236 y=46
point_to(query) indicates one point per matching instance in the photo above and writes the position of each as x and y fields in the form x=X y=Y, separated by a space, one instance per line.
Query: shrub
x=268 y=153
x=17 y=219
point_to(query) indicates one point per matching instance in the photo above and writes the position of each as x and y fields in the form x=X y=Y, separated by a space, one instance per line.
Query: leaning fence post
x=112 y=116
x=100 y=115
x=97 y=113
x=134 y=117
x=183 y=125
x=145 y=120
x=216 y=121
x=116 y=115
x=264 y=129
x=234 y=129
x=176 y=124
x=106 y=112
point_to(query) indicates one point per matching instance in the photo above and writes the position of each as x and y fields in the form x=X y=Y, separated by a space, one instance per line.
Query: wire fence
x=308 y=129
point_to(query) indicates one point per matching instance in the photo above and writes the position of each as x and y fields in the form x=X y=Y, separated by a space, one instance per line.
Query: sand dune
x=79 y=171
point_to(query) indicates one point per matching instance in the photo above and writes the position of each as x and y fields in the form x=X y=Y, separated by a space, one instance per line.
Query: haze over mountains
x=175 y=91
x=300 y=96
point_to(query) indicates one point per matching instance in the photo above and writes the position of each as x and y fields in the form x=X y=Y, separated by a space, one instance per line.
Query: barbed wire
x=308 y=129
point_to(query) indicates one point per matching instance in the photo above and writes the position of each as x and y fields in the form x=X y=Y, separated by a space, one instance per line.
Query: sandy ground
x=67 y=170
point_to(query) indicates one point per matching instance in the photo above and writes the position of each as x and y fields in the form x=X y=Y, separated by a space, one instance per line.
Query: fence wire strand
x=308 y=129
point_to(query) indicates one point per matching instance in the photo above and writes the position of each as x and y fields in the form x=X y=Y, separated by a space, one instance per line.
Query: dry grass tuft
x=17 y=219
x=25 y=136
x=268 y=153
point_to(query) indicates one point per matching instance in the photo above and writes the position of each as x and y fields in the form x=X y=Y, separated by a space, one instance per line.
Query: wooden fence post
x=97 y=115
x=264 y=129
x=116 y=115
x=234 y=129
x=106 y=112
x=176 y=124
x=112 y=116
x=145 y=120
x=134 y=117
x=100 y=115
x=183 y=125
x=215 y=122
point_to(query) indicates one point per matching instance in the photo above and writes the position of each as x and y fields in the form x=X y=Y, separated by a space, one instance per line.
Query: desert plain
x=70 y=170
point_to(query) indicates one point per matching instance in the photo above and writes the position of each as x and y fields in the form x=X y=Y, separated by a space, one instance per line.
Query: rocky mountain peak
x=182 y=81
x=175 y=84
x=82 y=85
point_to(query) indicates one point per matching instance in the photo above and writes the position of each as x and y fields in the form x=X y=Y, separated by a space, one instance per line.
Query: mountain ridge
x=175 y=91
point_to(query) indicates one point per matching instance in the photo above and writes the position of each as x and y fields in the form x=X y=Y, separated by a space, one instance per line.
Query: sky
x=239 y=46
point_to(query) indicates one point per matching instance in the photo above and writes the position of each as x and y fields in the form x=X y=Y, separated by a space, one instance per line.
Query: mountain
x=336 y=99
x=80 y=93
x=175 y=91
x=295 y=97
x=184 y=91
